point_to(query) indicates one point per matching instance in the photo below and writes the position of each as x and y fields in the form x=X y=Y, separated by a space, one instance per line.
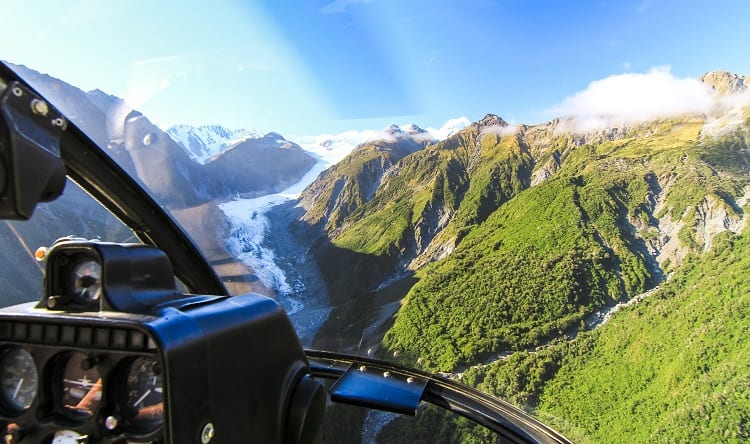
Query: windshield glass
x=546 y=201
x=75 y=214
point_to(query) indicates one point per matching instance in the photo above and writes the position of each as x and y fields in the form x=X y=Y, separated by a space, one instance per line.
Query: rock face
x=723 y=82
x=139 y=146
x=648 y=194
x=490 y=121
x=206 y=141
x=351 y=183
x=256 y=165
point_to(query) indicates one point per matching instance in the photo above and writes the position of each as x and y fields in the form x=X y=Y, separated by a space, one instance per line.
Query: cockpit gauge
x=85 y=281
x=81 y=387
x=20 y=379
x=144 y=397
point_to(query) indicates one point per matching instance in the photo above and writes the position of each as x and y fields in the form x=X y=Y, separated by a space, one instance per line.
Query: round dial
x=20 y=379
x=144 y=400
x=81 y=387
x=86 y=280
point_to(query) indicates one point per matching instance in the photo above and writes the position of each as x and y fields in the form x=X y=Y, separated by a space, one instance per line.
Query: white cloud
x=500 y=130
x=334 y=147
x=634 y=97
x=340 y=6
x=449 y=128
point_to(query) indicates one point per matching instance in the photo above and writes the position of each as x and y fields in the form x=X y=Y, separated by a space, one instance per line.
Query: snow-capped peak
x=203 y=142
x=450 y=128
x=334 y=147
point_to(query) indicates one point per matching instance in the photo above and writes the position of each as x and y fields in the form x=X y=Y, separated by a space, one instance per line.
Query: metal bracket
x=373 y=387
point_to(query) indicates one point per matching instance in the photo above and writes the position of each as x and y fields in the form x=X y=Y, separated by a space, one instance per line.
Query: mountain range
x=496 y=254
x=206 y=141
x=202 y=166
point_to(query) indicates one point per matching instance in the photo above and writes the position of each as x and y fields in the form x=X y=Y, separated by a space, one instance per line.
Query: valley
x=596 y=277
x=513 y=243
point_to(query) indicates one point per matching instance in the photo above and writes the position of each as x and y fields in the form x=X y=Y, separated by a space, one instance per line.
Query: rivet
x=363 y=368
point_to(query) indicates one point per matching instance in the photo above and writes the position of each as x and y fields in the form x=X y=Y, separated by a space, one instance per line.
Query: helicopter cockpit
x=138 y=341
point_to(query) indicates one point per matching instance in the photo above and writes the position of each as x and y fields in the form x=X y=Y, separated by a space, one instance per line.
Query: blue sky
x=310 y=67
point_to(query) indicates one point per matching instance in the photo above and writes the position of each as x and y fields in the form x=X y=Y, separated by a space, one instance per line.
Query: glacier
x=249 y=223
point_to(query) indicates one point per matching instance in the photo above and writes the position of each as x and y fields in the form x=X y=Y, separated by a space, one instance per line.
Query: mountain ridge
x=168 y=169
x=643 y=198
x=206 y=141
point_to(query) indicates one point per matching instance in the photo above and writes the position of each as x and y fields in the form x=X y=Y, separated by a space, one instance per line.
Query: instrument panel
x=80 y=382
x=113 y=353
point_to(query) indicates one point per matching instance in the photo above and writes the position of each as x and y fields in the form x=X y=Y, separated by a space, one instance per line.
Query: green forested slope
x=532 y=269
x=504 y=247
x=352 y=182
x=562 y=249
x=676 y=366
x=442 y=190
x=673 y=368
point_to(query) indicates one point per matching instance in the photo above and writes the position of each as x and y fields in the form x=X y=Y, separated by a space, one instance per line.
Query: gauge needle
x=148 y=392
x=91 y=396
x=18 y=388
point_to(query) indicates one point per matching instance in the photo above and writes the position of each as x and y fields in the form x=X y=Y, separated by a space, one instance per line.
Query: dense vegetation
x=560 y=250
x=533 y=269
x=505 y=247
x=672 y=368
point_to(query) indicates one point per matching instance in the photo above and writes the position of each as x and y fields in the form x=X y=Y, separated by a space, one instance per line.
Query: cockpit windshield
x=545 y=202
x=74 y=214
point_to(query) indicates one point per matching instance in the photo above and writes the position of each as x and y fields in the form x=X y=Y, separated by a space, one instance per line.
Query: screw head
x=39 y=107
x=59 y=122
x=110 y=423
